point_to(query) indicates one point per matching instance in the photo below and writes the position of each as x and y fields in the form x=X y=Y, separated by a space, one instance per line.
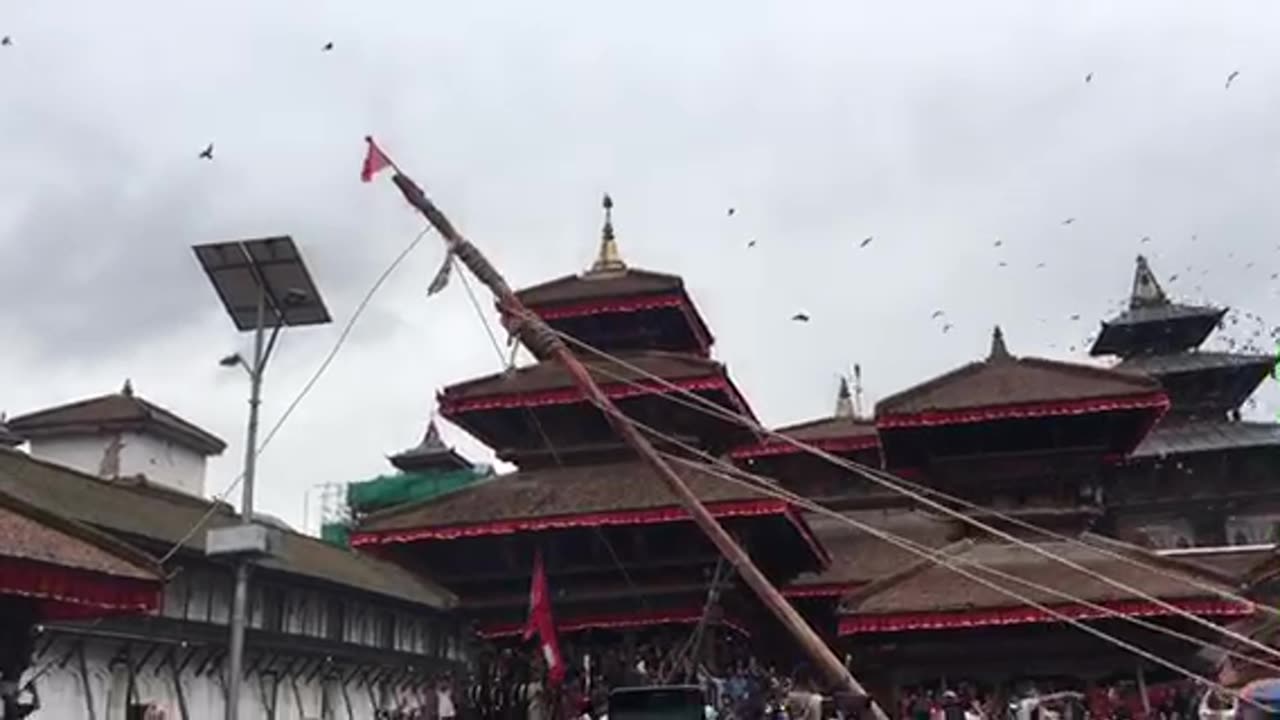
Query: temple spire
x=998 y=349
x=1146 y=290
x=844 y=400
x=609 y=260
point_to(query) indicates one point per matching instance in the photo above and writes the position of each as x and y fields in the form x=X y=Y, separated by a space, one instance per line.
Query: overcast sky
x=937 y=128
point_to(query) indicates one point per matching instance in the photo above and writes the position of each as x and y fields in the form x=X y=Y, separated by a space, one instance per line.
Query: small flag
x=542 y=624
x=374 y=161
x=441 y=279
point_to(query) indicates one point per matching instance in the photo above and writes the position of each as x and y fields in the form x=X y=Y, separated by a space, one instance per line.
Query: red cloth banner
x=66 y=593
x=542 y=624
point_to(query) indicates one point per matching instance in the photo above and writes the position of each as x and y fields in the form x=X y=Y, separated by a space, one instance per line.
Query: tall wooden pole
x=544 y=343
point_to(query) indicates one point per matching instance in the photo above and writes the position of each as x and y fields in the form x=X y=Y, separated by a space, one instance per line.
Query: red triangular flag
x=374 y=161
x=542 y=624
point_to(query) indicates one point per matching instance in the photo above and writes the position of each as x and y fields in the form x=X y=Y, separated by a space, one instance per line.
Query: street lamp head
x=231 y=360
x=296 y=296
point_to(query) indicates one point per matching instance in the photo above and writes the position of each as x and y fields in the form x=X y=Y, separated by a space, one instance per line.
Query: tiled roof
x=929 y=587
x=1206 y=436
x=553 y=492
x=859 y=557
x=121 y=411
x=550 y=375
x=29 y=533
x=1002 y=379
x=142 y=513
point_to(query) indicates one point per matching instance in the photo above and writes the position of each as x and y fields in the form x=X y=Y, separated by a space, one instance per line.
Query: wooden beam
x=543 y=342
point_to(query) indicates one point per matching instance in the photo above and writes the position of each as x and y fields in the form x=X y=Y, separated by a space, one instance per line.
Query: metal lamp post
x=263 y=285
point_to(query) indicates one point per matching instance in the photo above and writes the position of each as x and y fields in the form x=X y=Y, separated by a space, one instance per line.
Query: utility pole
x=542 y=340
x=262 y=283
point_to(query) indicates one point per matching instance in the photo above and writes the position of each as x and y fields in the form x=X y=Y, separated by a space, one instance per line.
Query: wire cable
x=767 y=487
x=220 y=498
x=887 y=480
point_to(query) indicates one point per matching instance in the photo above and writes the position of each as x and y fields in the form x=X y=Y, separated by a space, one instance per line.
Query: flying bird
x=731 y=212
x=1068 y=221
x=800 y=317
x=1039 y=266
x=1088 y=78
x=937 y=314
x=866 y=241
x=207 y=153
x=946 y=328
x=997 y=243
x=1075 y=317
x=327 y=46
x=751 y=243
x=1003 y=264
x=1146 y=238
x=1231 y=78
x=6 y=41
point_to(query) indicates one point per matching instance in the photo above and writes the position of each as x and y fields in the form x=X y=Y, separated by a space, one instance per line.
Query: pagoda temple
x=1031 y=439
x=619 y=551
x=1204 y=477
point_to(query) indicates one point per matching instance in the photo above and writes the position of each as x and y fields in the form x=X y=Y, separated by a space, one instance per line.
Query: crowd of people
x=1121 y=700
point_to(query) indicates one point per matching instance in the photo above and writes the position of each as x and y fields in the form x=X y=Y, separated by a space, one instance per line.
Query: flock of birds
x=1252 y=343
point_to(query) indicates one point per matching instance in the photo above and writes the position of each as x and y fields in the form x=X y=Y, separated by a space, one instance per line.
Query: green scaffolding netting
x=390 y=490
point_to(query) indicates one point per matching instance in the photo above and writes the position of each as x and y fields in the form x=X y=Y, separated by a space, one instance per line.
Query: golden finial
x=609 y=260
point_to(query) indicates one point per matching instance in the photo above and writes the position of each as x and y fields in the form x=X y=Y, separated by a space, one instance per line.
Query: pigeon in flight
x=997 y=243
x=1075 y=317
x=1231 y=78
x=866 y=241
x=1039 y=266
x=751 y=243
x=1068 y=221
x=207 y=153
x=6 y=41
x=1146 y=238
x=731 y=212
x=800 y=317
x=1088 y=78
x=946 y=328
x=327 y=47
x=937 y=314
x=1003 y=264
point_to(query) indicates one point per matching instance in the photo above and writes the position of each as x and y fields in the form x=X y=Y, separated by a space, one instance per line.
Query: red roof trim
x=569 y=396
x=652 y=516
x=774 y=447
x=1157 y=401
x=820 y=590
x=613 y=621
x=65 y=593
x=900 y=622
x=633 y=304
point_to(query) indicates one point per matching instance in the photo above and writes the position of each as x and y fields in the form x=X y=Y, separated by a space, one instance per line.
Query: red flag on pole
x=542 y=624
x=374 y=161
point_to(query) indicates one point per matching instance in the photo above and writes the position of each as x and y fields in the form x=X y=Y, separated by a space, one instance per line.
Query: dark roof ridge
x=146 y=410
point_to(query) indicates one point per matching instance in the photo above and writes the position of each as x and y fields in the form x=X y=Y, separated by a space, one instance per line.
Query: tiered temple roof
x=430 y=454
x=578 y=485
x=1160 y=338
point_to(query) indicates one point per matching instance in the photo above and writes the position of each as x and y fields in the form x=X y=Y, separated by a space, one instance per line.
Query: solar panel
x=242 y=270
